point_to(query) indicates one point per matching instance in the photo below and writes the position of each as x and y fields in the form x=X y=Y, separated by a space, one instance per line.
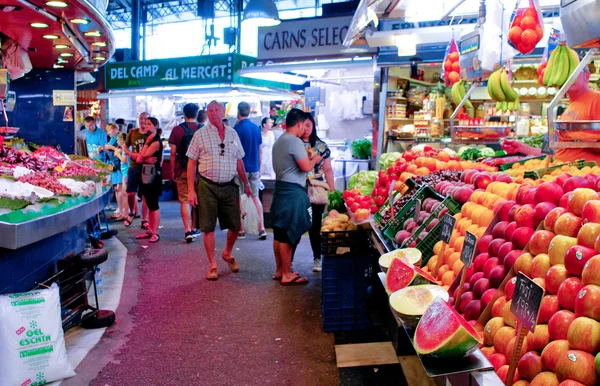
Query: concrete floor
x=176 y=328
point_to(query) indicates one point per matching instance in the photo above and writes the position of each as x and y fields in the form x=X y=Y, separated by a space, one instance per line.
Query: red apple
x=511 y=258
x=591 y=212
x=558 y=248
x=540 y=241
x=498 y=306
x=523 y=264
x=549 y=192
x=522 y=192
x=530 y=365
x=499 y=228
x=521 y=237
x=475 y=277
x=577 y=366
x=464 y=300
x=540 y=212
x=489 y=265
x=588 y=234
x=552 y=352
x=540 y=266
x=504 y=250
x=473 y=310
x=496 y=276
x=540 y=281
x=494 y=247
x=568 y=291
x=545 y=378
x=480 y=287
x=564 y=200
x=568 y=224
x=576 y=258
x=510 y=229
x=555 y=276
x=509 y=288
x=549 y=307
x=591 y=271
x=529 y=198
x=504 y=210
x=538 y=339
x=551 y=218
x=487 y=296
x=503 y=373
x=560 y=180
x=482 y=180
x=587 y=302
x=483 y=243
x=479 y=261
x=524 y=216
x=578 y=198
x=559 y=323
x=584 y=334
x=576 y=182
x=498 y=360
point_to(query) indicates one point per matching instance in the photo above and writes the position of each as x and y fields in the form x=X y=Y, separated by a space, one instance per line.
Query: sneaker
x=262 y=235
x=317 y=266
x=241 y=235
x=196 y=233
x=189 y=237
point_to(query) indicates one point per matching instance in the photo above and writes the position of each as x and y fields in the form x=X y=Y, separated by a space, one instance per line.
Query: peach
x=494 y=247
x=504 y=210
x=568 y=292
x=489 y=265
x=504 y=250
x=464 y=300
x=499 y=228
x=496 y=276
x=480 y=287
x=559 y=323
x=550 y=192
x=575 y=183
x=487 y=297
x=473 y=310
x=475 y=277
x=584 y=334
x=510 y=229
x=484 y=243
x=511 y=258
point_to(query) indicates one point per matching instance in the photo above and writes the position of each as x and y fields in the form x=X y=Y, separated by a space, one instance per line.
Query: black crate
x=343 y=242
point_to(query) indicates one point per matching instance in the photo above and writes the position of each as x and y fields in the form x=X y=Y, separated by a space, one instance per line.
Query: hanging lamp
x=261 y=13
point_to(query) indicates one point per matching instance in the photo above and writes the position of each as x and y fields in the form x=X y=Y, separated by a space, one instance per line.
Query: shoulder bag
x=318 y=192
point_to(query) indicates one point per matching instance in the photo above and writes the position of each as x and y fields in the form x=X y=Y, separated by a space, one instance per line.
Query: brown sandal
x=212 y=274
x=233 y=265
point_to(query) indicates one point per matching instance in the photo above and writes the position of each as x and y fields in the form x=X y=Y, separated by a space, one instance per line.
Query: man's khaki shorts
x=182 y=187
x=253 y=181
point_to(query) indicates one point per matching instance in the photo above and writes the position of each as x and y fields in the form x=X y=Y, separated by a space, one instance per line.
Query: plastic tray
x=408 y=209
x=453 y=208
x=412 y=185
x=539 y=173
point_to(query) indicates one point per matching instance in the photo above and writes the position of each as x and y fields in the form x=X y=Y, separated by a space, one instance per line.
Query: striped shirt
x=217 y=160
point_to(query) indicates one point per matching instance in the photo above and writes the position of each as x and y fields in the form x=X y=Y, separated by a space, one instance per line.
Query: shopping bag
x=526 y=29
x=249 y=215
x=451 y=69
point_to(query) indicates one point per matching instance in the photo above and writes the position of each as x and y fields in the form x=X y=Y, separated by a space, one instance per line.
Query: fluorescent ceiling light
x=278 y=77
x=407 y=44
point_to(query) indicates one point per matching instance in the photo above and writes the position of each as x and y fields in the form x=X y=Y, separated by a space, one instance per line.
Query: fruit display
x=443 y=333
x=411 y=224
x=459 y=92
x=499 y=88
x=563 y=61
x=401 y=274
x=525 y=29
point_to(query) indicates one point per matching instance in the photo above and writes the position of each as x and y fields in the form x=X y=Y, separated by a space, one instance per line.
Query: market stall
x=488 y=262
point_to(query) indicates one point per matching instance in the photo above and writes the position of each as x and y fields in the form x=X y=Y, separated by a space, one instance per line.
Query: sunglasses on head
x=222 y=146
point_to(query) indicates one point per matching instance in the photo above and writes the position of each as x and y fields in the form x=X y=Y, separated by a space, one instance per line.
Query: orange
x=411 y=168
x=475 y=196
x=430 y=163
x=458 y=265
x=473 y=228
x=464 y=224
x=458 y=244
x=458 y=216
x=480 y=232
x=419 y=161
x=437 y=247
x=448 y=278
x=452 y=259
x=422 y=171
x=447 y=253
x=482 y=198
x=486 y=218
x=431 y=263
x=490 y=201
x=443 y=269
x=465 y=209
x=443 y=156
x=476 y=213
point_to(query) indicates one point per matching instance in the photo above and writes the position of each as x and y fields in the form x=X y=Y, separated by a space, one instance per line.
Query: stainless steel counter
x=15 y=236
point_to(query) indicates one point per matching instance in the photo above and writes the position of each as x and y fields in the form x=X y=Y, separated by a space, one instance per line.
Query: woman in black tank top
x=151 y=154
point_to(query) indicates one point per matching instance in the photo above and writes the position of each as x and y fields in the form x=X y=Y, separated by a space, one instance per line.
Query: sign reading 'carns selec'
x=195 y=70
x=303 y=38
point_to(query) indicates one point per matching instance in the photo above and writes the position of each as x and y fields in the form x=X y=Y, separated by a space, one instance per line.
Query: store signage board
x=195 y=70
x=304 y=38
x=527 y=301
x=63 y=97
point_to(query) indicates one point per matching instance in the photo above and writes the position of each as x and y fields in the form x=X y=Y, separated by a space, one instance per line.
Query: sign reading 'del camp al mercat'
x=195 y=70
x=304 y=38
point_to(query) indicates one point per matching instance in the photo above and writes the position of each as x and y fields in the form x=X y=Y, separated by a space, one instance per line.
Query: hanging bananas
x=563 y=61
x=499 y=88
x=459 y=92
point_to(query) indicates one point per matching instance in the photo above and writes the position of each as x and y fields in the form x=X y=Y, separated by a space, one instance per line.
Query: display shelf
x=415 y=81
x=399 y=119
x=395 y=97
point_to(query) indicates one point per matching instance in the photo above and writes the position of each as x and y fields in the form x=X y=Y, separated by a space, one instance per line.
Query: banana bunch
x=499 y=88
x=458 y=93
x=561 y=65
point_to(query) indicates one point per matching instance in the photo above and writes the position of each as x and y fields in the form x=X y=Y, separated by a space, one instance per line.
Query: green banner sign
x=195 y=70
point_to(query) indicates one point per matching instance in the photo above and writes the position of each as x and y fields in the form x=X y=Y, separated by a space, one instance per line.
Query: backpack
x=185 y=144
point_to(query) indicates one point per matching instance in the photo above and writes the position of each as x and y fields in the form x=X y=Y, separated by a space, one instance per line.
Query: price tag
x=527 y=300
x=391 y=197
x=446 y=228
x=468 y=250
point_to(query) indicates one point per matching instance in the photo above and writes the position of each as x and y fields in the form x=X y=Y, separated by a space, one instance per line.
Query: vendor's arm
x=512 y=146
x=173 y=161
x=328 y=170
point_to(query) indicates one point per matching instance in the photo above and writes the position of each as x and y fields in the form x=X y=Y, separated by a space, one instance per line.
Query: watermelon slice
x=402 y=274
x=411 y=302
x=409 y=255
x=443 y=333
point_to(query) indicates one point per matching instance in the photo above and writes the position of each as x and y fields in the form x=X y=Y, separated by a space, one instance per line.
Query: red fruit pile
x=525 y=30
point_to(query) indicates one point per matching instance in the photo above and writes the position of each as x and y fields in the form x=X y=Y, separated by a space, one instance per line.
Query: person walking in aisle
x=251 y=140
x=202 y=118
x=320 y=178
x=290 y=210
x=216 y=154
x=266 y=157
x=180 y=140
x=116 y=177
x=120 y=153
x=133 y=145
x=150 y=159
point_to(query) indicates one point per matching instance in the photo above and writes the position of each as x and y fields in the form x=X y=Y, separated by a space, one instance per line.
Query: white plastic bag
x=32 y=349
x=249 y=215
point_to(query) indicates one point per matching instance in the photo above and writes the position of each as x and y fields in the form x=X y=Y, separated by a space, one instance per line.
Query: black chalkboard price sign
x=468 y=251
x=527 y=300
x=446 y=227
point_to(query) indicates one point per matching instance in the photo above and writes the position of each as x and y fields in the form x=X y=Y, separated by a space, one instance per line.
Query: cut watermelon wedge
x=411 y=302
x=443 y=333
x=402 y=274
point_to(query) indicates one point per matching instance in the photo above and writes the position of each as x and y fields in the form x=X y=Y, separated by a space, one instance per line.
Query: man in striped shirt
x=215 y=154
